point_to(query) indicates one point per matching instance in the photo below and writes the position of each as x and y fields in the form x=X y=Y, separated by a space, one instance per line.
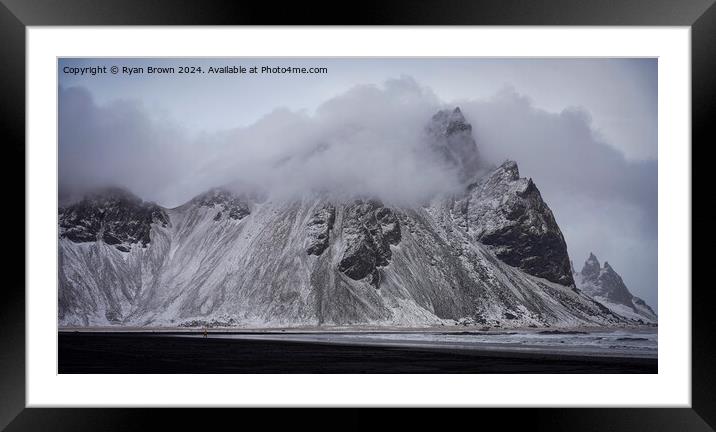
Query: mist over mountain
x=346 y=146
x=372 y=139
x=476 y=244
x=604 y=202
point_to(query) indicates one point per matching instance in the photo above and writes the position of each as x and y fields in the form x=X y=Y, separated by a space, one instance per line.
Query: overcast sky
x=584 y=129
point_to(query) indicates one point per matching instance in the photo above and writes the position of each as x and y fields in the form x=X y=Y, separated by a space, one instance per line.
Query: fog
x=369 y=139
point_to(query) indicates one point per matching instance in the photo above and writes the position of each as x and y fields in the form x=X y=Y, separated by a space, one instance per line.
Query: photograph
x=487 y=205
x=357 y=215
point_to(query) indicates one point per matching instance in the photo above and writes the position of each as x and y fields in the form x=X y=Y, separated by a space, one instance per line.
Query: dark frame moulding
x=16 y=15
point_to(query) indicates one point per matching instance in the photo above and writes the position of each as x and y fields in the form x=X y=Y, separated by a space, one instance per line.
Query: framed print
x=229 y=208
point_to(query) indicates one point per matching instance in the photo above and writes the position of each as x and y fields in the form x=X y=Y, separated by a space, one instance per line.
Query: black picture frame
x=16 y=15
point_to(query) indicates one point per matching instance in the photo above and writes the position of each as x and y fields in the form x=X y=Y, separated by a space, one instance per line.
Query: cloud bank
x=368 y=140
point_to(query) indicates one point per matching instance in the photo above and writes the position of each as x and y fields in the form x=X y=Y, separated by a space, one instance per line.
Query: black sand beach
x=134 y=353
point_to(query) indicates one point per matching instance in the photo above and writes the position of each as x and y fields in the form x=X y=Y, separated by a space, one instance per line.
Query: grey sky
x=584 y=129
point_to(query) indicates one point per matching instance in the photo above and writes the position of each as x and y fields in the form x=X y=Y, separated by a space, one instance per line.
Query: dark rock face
x=233 y=206
x=114 y=216
x=507 y=213
x=451 y=136
x=319 y=228
x=369 y=229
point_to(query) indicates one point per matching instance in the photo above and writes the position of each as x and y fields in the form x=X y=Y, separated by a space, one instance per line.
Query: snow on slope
x=256 y=271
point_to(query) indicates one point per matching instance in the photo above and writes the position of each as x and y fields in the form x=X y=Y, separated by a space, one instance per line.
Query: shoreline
x=619 y=342
x=348 y=329
x=167 y=353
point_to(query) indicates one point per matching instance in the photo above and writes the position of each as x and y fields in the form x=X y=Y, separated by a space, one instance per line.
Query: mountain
x=606 y=286
x=492 y=255
x=507 y=213
x=113 y=216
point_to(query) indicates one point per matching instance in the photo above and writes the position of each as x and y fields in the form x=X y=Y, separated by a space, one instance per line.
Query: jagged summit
x=591 y=268
x=603 y=281
x=607 y=286
x=451 y=137
x=507 y=213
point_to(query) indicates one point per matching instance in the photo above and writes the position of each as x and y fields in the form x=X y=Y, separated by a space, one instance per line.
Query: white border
x=670 y=387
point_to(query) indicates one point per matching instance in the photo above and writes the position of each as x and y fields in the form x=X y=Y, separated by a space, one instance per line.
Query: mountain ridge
x=492 y=256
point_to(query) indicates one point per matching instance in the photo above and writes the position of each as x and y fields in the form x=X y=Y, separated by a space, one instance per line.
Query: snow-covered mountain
x=606 y=286
x=492 y=255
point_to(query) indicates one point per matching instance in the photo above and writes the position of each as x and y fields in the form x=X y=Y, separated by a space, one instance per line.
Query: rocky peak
x=450 y=135
x=508 y=171
x=228 y=204
x=112 y=215
x=507 y=213
x=451 y=122
x=502 y=180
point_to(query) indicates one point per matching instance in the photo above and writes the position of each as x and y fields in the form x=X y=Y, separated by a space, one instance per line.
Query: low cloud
x=368 y=140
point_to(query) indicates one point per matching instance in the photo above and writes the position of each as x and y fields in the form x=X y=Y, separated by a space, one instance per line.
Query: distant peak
x=591 y=267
